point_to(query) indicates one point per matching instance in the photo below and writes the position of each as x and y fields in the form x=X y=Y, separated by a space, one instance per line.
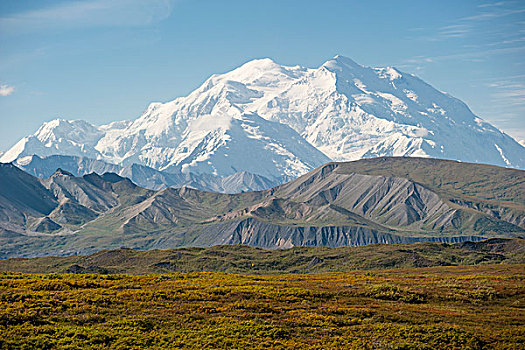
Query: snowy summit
x=274 y=120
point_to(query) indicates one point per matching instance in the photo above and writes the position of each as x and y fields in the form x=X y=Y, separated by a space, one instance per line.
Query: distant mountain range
x=144 y=176
x=273 y=121
x=380 y=200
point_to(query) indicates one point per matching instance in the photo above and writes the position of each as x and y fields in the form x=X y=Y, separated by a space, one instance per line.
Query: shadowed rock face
x=21 y=197
x=45 y=224
x=339 y=204
x=71 y=212
x=21 y=191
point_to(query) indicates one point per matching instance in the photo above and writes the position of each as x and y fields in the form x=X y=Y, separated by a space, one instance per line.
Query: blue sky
x=103 y=60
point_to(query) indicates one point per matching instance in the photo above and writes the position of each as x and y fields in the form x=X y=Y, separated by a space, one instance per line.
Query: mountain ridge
x=145 y=176
x=384 y=200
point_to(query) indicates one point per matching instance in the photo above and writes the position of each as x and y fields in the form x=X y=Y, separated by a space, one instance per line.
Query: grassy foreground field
x=466 y=307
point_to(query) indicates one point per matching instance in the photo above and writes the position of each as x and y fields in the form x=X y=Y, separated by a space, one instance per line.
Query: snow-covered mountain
x=275 y=120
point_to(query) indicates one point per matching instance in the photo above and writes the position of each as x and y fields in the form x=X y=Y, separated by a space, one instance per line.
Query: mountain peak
x=61 y=122
x=256 y=66
x=341 y=62
x=112 y=177
x=261 y=62
x=62 y=172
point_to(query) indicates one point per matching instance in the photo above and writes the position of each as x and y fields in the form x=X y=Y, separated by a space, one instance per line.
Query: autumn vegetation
x=461 y=307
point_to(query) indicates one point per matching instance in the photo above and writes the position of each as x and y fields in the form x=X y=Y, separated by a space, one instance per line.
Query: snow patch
x=502 y=155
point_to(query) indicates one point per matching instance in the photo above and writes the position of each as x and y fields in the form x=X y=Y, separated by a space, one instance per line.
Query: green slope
x=244 y=259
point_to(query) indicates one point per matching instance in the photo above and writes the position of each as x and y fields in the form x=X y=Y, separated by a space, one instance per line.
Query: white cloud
x=454 y=31
x=499 y=3
x=6 y=90
x=500 y=22
x=90 y=13
x=510 y=91
x=472 y=56
x=493 y=14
